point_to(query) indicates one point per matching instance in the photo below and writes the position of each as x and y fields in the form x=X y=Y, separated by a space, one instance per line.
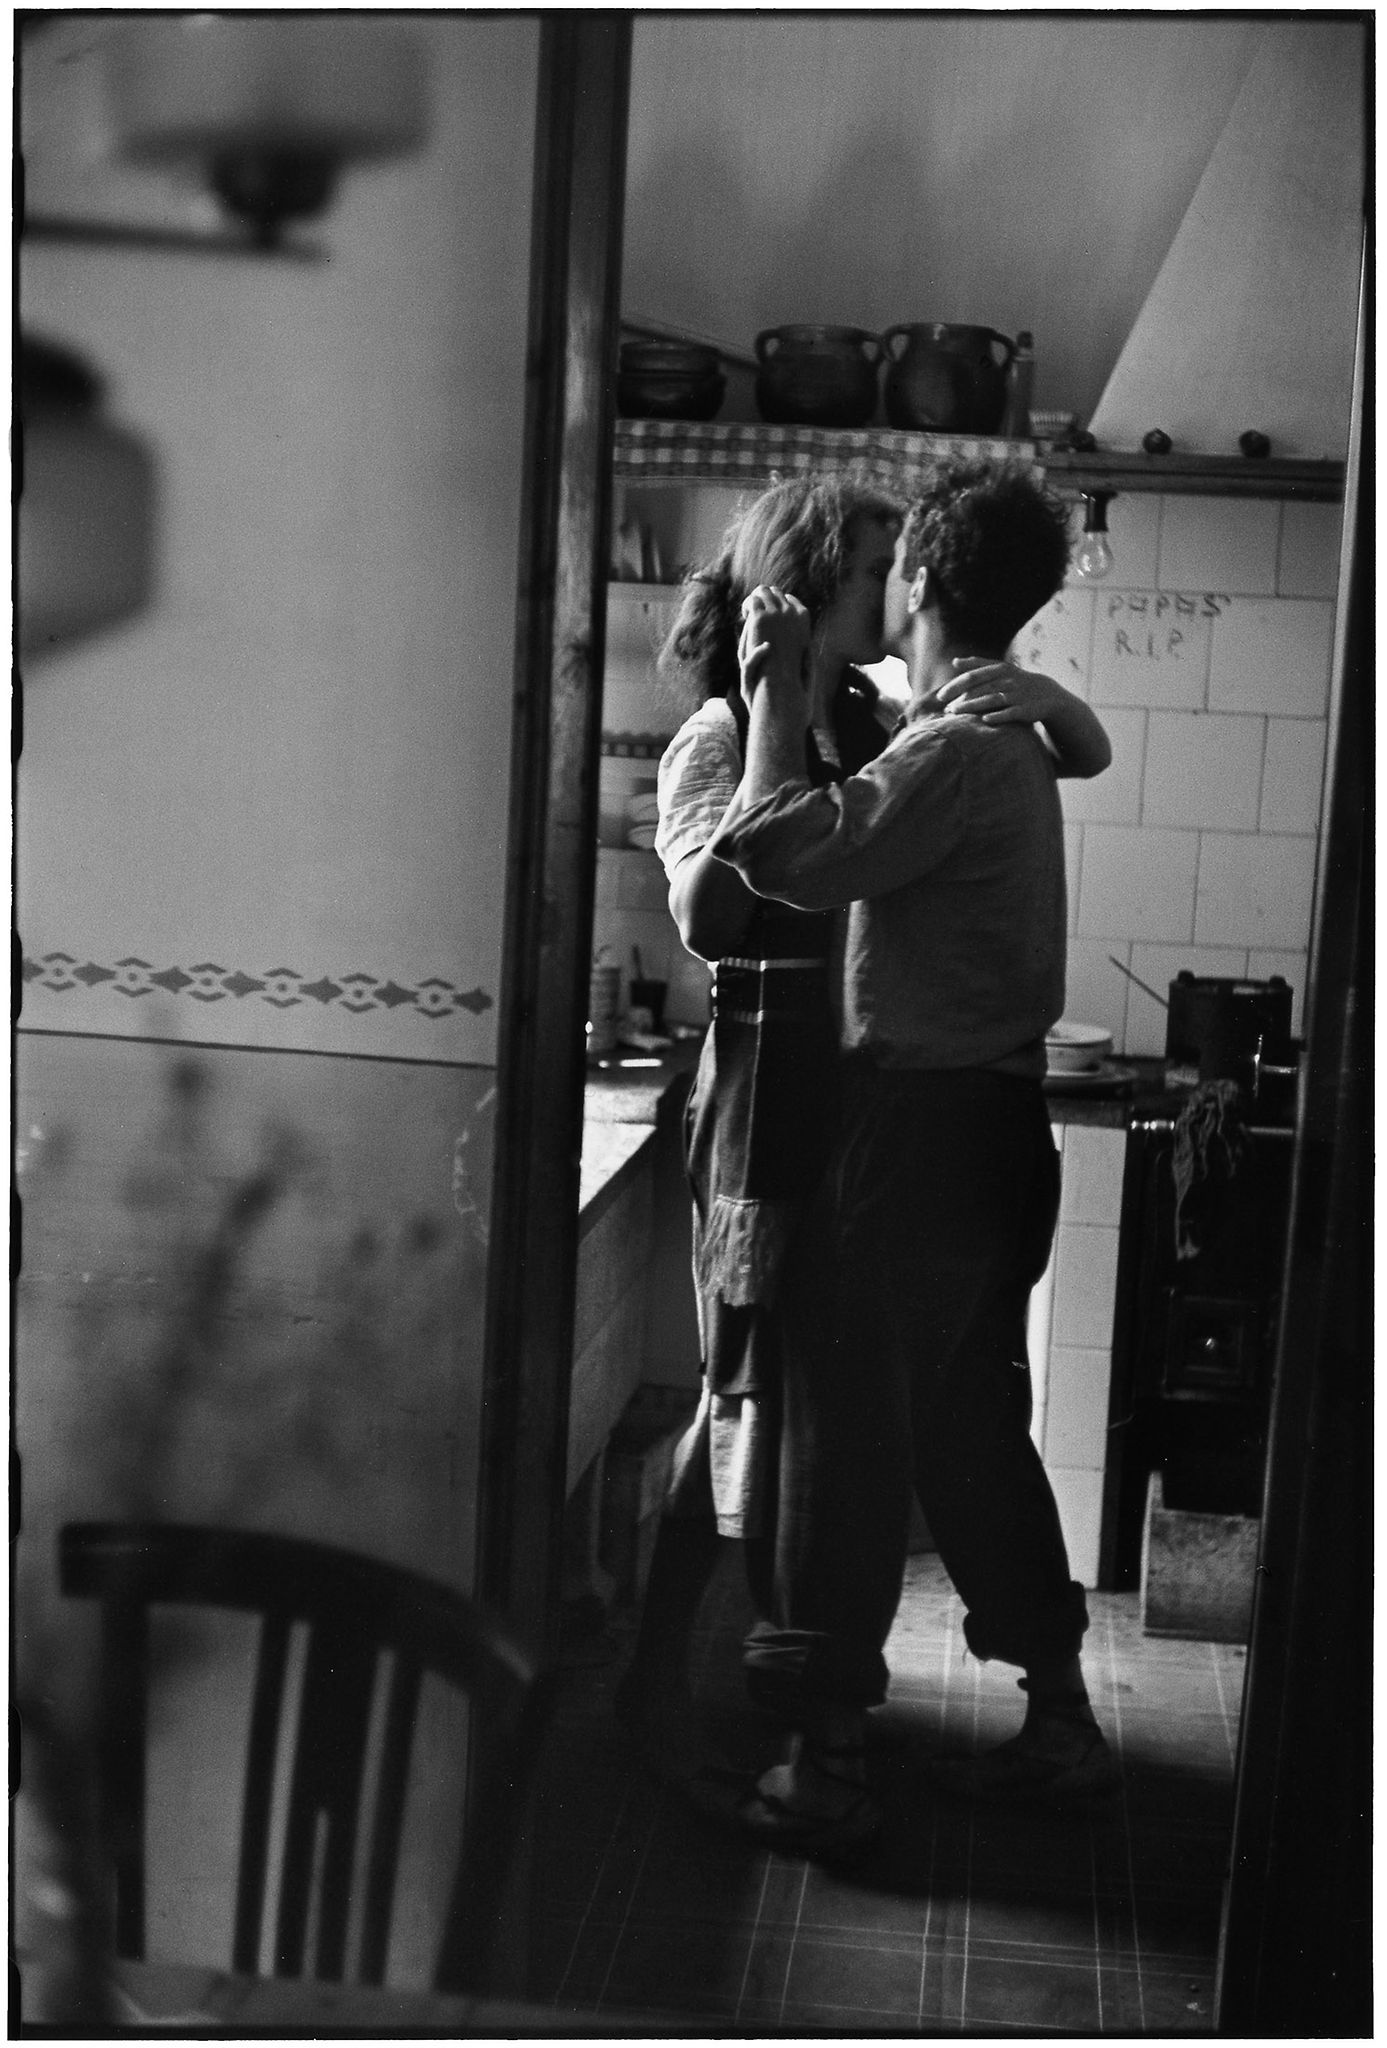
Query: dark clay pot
x=669 y=380
x=943 y=378
x=817 y=376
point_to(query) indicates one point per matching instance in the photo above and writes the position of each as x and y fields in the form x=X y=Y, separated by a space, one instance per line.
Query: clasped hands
x=774 y=647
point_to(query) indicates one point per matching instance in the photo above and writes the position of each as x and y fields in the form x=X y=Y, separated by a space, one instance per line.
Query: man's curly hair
x=996 y=543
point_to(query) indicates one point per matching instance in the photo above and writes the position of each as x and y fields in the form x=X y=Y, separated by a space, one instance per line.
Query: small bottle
x=1016 y=410
x=604 y=1001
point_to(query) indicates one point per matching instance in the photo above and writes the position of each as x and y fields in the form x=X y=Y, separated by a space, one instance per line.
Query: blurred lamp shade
x=85 y=523
x=270 y=107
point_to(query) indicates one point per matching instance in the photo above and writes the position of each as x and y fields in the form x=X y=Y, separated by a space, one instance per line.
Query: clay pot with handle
x=817 y=376
x=669 y=380
x=943 y=378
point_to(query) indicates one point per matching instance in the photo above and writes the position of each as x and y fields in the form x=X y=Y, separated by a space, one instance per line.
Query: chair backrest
x=355 y=1610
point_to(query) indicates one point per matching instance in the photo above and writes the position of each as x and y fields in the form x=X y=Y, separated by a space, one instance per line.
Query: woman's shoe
x=822 y=1834
x=823 y=1838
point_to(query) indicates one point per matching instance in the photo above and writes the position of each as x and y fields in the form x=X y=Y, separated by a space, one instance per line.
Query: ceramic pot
x=943 y=378
x=817 y=376
x=669 y=380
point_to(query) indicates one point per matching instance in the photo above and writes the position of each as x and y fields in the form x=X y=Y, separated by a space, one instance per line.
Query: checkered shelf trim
x=734 y=452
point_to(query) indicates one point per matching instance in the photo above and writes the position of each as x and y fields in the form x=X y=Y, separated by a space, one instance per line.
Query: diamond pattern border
x=283 y=987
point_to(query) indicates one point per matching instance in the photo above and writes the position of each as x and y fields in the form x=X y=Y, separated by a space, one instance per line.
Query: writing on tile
x=1160 y=625
x=1056 y=639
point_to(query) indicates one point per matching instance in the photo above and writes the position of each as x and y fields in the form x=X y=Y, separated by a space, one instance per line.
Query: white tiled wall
x=1207 y=655
x=1070 y=1336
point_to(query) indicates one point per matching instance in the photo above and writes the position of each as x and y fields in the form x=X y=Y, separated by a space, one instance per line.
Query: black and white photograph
x=692 y=1098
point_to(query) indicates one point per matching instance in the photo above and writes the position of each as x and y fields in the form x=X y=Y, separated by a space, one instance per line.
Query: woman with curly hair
x=760 y=1116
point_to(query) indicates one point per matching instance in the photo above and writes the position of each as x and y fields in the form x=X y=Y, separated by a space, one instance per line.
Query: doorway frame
x=566 y=497
x=1295 y=1956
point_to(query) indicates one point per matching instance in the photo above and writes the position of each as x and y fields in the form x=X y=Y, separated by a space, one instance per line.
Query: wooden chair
x=355 y=1609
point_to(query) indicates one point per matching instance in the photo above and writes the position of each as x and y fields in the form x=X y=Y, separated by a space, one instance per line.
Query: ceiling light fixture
x=265 y=111
x=272 y=108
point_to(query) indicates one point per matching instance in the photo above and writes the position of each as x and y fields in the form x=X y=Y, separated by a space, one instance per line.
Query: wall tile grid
x=1208 y=658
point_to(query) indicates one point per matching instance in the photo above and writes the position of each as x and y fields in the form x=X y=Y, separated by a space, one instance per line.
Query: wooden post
x=580 y=152
x=1296 y=1955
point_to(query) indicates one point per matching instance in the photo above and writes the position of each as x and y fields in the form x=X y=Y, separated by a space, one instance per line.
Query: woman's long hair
x=796 y=537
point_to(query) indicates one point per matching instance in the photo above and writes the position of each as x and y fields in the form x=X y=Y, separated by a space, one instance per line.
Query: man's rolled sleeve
x=820 y=848
x=779 y=846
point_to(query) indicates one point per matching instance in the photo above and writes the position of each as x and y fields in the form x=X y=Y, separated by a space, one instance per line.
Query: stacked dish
x=1078 y=1062
x=642 y=816
x=1072 y=1048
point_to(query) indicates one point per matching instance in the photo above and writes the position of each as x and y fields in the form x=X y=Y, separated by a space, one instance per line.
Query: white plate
x=1110 y=1077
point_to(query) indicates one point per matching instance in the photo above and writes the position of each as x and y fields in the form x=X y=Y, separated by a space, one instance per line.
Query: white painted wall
x=873 y=169
x=298 y=757
x=297 y=760
x=1277 y=221
x=1014 y=171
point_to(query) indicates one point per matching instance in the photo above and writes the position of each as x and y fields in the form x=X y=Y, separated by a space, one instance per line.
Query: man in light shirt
x=940 y=1208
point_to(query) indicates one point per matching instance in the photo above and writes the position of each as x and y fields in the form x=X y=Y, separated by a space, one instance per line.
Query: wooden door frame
x=1296 y=1953
x=575 y=266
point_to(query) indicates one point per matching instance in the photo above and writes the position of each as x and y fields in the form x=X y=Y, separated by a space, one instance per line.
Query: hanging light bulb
x=1093 y=558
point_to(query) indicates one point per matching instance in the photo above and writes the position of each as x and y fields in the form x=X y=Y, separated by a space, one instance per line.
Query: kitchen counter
x=633 y=1260
x=1146 y=1095
x=630 y=1093
x=621 y=1104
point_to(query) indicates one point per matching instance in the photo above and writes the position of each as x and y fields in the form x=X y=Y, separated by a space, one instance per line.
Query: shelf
x=738 y=452
x=741 y=452
x=1209 y=476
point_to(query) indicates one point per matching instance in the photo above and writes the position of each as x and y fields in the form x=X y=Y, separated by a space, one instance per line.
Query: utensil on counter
x=1144 y=986
x=941 y=377
x=817 y=376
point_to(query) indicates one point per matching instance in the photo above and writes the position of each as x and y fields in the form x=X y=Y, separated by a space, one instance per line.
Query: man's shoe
x=1026 y=1772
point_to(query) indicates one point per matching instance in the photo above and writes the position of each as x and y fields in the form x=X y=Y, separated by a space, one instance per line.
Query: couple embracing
x=880 y=891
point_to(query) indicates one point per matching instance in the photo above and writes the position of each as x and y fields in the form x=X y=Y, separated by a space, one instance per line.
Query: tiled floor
x=962 y=1919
